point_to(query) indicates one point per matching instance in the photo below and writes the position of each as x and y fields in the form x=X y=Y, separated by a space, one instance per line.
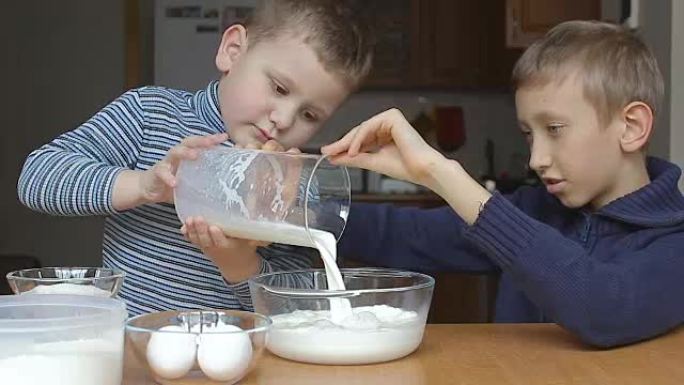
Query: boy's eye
x=310 y=116
x=280 y=90
x=554 y=128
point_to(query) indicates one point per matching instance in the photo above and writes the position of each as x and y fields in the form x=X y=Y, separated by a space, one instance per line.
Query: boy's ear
x=638 y=121
x=233 y=44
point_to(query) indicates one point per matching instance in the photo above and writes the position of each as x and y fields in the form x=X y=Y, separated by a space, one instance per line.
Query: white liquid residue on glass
x=277 y=204
x=237 y=165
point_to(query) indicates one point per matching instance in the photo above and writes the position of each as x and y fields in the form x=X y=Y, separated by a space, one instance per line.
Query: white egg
x=171 y=355
x=222 y=355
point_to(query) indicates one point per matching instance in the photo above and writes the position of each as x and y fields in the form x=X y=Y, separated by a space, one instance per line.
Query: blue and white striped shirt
x=74 y=174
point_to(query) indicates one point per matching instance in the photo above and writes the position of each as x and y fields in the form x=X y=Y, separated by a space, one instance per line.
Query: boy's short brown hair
x=617 y=68
x=339 y=31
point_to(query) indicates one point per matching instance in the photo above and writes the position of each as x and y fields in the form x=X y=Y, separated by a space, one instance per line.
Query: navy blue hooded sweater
x=612 y=277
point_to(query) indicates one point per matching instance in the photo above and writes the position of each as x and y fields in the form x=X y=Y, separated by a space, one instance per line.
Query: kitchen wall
x=656 y=21
x=62 y=61
x=676 y=141
x=655 y=27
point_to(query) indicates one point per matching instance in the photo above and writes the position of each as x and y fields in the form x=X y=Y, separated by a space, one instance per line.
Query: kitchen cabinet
x=442 y=44
x=462 y=43
x=396 y=52
x=528 y=20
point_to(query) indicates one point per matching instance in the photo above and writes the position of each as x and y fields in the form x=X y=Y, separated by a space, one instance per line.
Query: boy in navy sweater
x=597 y=248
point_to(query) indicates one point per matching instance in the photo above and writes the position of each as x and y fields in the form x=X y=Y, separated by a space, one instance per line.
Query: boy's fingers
x=341 y=145
x=361 y=160
x=203 y=233
x=205 y=141
x=360 y=138
x=181 y=152
x=294 y=150
x=218 y=237
x=164 y=173
x=195 y=141
x=219 y=138
x=190 y=233
x=272 y=145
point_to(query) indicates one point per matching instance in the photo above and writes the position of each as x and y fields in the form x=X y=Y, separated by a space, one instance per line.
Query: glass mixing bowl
x=93 y=281
x=379 y=317
x=208 y=346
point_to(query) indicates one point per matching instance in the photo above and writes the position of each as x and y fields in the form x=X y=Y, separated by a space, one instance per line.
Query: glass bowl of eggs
x=92 y=281
x=212 y=346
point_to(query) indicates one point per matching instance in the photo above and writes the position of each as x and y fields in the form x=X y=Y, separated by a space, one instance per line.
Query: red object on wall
x=450 y=128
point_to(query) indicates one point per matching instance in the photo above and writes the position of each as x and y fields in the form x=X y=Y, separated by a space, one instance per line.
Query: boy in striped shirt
x=284 y=72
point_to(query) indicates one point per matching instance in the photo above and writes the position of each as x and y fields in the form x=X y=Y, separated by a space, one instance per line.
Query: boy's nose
x=540 y=157
x=283 y=116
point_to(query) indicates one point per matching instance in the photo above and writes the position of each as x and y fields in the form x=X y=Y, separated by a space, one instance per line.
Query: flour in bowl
x=69 y=288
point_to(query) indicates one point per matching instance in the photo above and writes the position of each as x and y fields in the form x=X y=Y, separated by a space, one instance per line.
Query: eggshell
x=171 y=355
x=222 y=355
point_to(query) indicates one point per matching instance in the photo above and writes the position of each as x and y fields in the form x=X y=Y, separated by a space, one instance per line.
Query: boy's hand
x=236 y=258
x=388 y=144
x=271 y=145
x=157 y=183
x=133 y=188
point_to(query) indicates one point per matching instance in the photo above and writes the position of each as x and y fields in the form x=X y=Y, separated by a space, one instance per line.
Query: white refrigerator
x=186 y=37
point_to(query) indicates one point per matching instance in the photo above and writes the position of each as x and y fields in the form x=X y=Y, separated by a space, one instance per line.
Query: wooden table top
x=501 y=354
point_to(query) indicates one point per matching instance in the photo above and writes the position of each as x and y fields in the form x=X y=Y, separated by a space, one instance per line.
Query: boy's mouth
x=262 y=135
x=553 y=185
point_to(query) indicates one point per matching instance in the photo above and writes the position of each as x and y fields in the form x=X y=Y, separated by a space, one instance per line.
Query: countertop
x=497 y=354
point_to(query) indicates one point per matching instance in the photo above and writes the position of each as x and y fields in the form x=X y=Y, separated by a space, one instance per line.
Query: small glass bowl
x=93 y=281
x=198 y=345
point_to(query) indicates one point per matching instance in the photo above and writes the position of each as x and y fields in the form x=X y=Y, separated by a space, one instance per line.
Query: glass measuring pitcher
x=266 y=196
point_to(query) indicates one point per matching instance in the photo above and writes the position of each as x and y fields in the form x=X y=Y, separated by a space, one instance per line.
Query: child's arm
x=410 y=238
x=74 y=174
x=387 y=143
x=633 y=296
x=89 y=171
x=133 y=188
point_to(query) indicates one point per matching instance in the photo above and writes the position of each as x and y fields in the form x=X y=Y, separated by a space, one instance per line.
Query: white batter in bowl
x=388 y=314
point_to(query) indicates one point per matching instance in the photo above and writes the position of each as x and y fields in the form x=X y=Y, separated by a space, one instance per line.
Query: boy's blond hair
x=339 y=31
x=616 y=67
